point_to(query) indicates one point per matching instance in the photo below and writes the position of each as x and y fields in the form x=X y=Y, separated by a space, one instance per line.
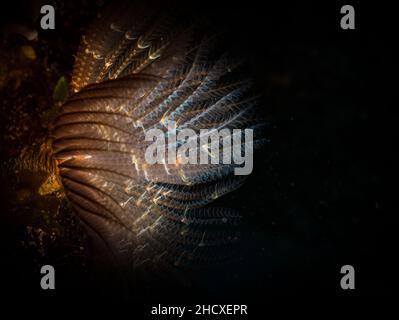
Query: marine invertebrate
x=136 y=70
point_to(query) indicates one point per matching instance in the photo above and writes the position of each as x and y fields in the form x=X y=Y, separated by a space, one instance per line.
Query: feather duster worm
x=135 y=70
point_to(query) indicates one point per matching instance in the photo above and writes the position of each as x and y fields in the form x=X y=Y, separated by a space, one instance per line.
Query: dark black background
x=317 y=198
